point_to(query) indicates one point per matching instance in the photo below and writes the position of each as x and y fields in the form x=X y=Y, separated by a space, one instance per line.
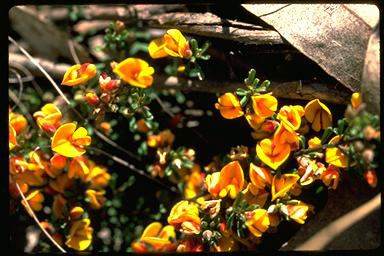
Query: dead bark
x=45 y=39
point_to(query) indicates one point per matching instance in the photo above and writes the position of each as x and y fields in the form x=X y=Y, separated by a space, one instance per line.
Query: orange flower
x=356 y=100
x=264 y=105
x=35 y=200
x=79 y=74
x=68 y=141
x=12 y=137
x=258 y=223
x=314 y=142
x=254 y=120
x=253 y=195
x=78 y=168
x=107 y=84
x=285 y=136
x=165 y=137
x=61 y=183
x=272 y=154
x=298 y=212
x=266 y=129
x=371 y=178
x=173 y=44
x=96 y=198
x=48 y=118
x=158 y=236
x=259 y=176
x=98 y=176
x=282 y=184
x=142 y=126
x=229 y=106
x=76 y=212
x=58 y=161
x=80 y=235
x=185 y=215
x=136 y=72
x=231 y=179
x=290 y=117
x=106 y=127
x=92 y=98
x=59 y=204
x=334 y=156
x=318 y=114
x=331 y=176
x=18 y=122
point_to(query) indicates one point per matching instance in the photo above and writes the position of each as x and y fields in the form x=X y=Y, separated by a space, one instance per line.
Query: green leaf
x=147 y=113
x=265 y=84
x=251 y=75
x=168 y=170
x=244 y=100
x=327 y=133
x=230 y=220
x=180 y=98
x=303 y=141
x=194 y=45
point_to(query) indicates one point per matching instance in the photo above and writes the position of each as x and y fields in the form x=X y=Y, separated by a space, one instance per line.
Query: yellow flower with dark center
x=264 y=105
x=314 y=142
x=136 y=72
x=18 y=122
x=186 y=216
x=282 y=184
x=96 y=198
x=80 y=235
x=229 y=106
x=48 y=118
x=290 y=117
x=334 y=155
x=356 y=100
x=59 y=204
x=158 y=236
x=12 y=137
x=260 y=177
x=231 y=180
x=272 y=154
x=35 y=200
x=298 y=212
x=67 y=141
x=78 y=74
x=331 y=176
x=318 y=114
x=173 y=44
x=258 y=223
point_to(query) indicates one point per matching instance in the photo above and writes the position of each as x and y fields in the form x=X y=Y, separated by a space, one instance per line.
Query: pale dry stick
x=37 y=220
x=133 y=168
x=73 y=51
x=65 y=98
x=325 y=235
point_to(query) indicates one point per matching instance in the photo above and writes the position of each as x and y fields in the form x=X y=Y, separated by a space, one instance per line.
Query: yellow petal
x=152 y=230
x=156 y=48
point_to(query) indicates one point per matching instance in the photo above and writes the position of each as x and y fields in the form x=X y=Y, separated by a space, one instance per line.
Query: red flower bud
x=371 y=178
x=92 y=98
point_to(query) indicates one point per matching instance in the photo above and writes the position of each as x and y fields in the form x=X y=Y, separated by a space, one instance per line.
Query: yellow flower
x=254 y=120
x=264 y=105
x=67 y=141
x=259 y=176
x=92 y=98
x=334 y=156
x=76 y=212
x=331 y=176
x=12 y=137
x=229 y=106
x=80 y=235
x=282 y=184
x=78 y=168
x=48 y=118
x=258 y=223
x=290 y=117
x=318 y=114
x=18 y=122
x=266 y=129
x=173 y=44
x=231 y=179
x=136 y=72
x=98 y=176
x=61 y=183
x=185 y=215
x=58 y=161
x=272 y=154
x=314 y=142
x=212 y=182
x=165 y=137
x=158 y=236
x=285 y=136
x=298 y=212
x=59 y=204
x=78 y=74
x=356 y=100
x=253 y=195
x=96 y=198
x=35 y=200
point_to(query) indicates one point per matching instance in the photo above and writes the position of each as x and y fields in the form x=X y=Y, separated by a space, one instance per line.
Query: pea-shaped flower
x=48 y=118
x=258 y=222
x=334 y=155
x=318 y=114
x=67 y=141
x=78 y=74
x=173 y=44
x=80 y=235
x=12 y=137
x=231 y=180
x=185 y=216
x=260 y=177
x=282 y=184
x=264 y=105
x=135 y=71
x=272 y=154
x=158 y=236
x=229 y=106
x=290 y=117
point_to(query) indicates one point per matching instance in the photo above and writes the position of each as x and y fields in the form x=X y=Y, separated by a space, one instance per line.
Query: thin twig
x=21 y=106
x=73 y=51
x=133 y=168
x=37 y=220
x=21 y=85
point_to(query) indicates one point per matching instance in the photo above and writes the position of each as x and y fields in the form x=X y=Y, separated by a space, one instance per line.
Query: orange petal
x=156 y=48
